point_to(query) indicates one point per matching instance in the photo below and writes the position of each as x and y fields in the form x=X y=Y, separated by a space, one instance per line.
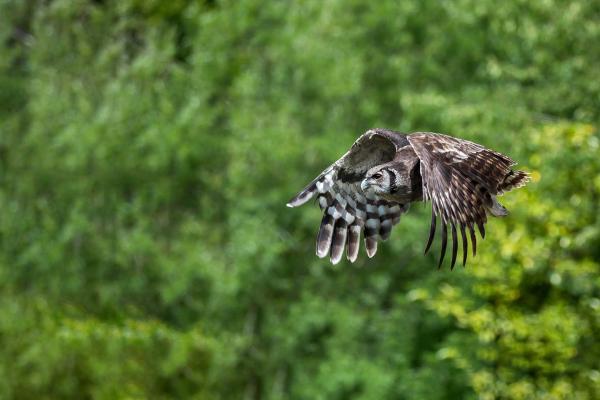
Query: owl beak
x=364 y=185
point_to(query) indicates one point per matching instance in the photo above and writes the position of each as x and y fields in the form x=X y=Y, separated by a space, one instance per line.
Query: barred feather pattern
x=514 y=180
x=347 y=211
x=462 y=179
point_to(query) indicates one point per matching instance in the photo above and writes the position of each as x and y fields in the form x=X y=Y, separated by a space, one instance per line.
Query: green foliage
x=531 y=315
x=147 y=149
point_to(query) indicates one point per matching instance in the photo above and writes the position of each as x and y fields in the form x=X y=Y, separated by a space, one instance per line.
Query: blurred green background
x=148 y=148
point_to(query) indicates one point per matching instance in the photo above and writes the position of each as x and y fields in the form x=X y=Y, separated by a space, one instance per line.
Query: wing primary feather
x=481 y=229
x=464 y=243
x=473 y=238
x=325 y=235
x=338 y=241
x=444 y=242
x=371 y=245
x=305 y=195
x=454 y=246
x=431 y=232
x=353 y=240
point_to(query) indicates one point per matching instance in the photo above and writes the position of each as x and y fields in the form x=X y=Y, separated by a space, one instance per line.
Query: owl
x=374 y=183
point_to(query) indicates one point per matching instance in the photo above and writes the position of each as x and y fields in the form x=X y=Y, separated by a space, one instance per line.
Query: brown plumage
x=373 y=184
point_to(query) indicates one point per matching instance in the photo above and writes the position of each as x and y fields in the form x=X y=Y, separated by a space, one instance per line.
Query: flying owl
x=374 y=183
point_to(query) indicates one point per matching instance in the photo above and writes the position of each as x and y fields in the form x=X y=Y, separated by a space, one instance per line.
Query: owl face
x=379 y=180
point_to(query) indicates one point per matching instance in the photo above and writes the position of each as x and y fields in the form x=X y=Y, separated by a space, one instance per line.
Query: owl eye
x=377 y=175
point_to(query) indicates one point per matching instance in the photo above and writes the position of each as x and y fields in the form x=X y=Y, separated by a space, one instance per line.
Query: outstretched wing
x=461 y=179
x=347 y=209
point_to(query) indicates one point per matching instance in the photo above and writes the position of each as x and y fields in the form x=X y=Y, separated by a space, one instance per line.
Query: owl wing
x=347 y=210
x=461 y=179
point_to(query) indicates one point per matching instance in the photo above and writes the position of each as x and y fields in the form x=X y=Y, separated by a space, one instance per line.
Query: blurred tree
x=147 y=149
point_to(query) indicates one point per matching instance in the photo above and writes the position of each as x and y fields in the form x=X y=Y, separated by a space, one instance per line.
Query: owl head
x=381 y=180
